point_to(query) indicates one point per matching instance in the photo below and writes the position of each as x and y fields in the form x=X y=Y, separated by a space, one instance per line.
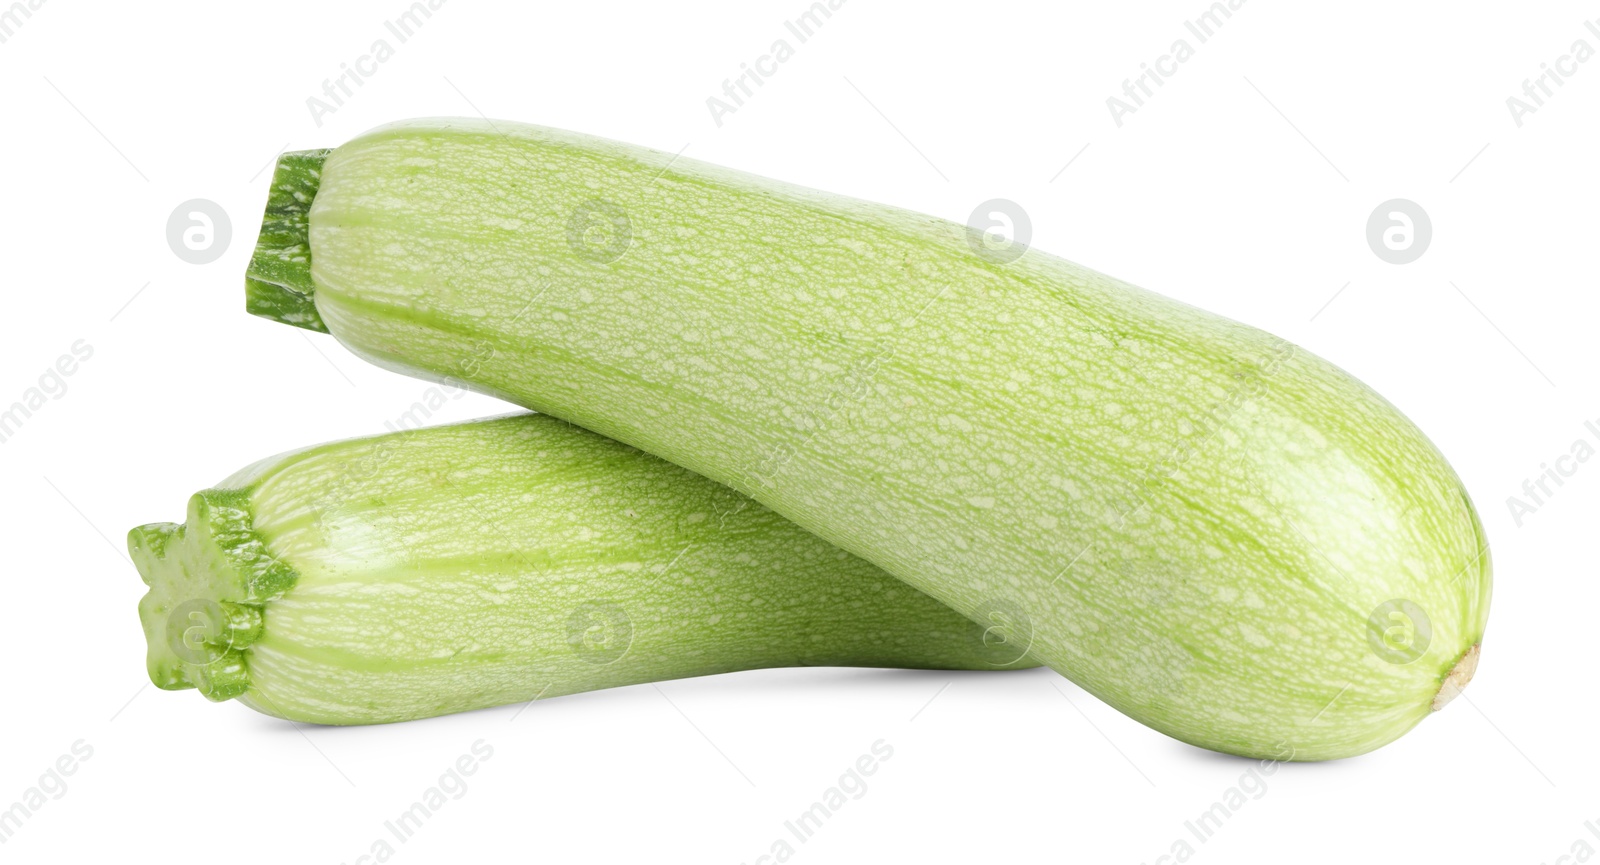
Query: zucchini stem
x=278 y=283
x=209 y=579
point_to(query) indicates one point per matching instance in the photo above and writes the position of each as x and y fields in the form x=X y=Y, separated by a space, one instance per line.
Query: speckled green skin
x=453 y=568
x=1197 y=519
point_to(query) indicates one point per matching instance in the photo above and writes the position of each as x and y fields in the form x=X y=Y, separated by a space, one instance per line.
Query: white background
x=1243 y=187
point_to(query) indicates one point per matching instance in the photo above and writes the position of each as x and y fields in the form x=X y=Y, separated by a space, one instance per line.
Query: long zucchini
x=1221 y=535
x=452 y=568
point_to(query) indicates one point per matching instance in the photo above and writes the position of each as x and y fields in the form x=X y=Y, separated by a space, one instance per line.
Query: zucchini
x=1219 y=534
x=452 y=568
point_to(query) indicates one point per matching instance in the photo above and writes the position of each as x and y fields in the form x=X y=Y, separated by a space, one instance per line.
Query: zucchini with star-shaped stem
x=452 y=568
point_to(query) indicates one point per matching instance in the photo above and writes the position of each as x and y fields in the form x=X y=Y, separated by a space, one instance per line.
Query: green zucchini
x=452 y=568
x=1221 y=535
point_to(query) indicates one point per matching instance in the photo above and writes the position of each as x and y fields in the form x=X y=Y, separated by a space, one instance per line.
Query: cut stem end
x=209 y=579
x=1458 y=677
x=278 y=282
